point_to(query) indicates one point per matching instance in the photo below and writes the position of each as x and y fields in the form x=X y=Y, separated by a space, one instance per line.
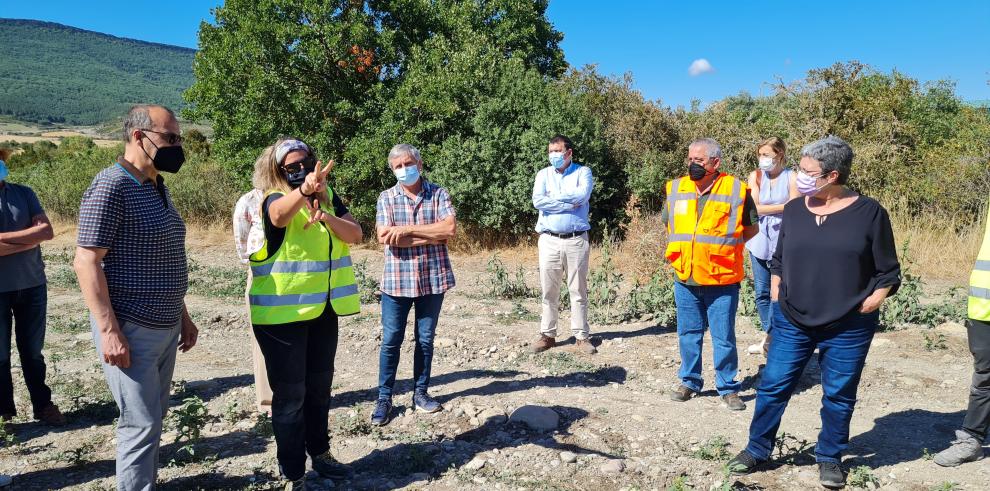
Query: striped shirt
x=420 y=270
x=145 y=263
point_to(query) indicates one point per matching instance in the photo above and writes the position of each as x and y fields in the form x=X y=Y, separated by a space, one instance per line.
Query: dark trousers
x=841 y=354
x=23 y=311
x=299 y=360
x=977 y=420
x=395 y=312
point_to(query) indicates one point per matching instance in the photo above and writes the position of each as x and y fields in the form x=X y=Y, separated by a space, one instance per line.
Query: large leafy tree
x=322 y=69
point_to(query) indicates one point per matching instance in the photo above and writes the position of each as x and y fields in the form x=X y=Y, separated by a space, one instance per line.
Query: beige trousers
x=262 y=390
x=557 y=257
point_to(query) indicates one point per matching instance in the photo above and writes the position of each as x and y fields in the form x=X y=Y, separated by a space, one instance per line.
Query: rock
x=638 y=418
x=909 y=381
x=444 y=342
x=83 y=336
x=568 y=457
x=476 y=464
x=536 y=417
x=492 y=415
x=614 y=466
x=877 y=342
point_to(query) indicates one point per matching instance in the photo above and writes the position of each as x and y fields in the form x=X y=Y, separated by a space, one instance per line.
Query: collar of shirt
x=136 y=174
x=425 y=192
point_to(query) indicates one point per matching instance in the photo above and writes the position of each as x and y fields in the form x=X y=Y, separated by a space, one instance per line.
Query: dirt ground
x=617 y=428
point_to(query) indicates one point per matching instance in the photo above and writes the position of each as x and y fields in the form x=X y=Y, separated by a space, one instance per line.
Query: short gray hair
x=404 y=149
x=833 y=154
x=139 y=117
x=714 y=150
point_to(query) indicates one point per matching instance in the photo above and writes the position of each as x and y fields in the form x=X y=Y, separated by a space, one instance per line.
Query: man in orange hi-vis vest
x=709 y=216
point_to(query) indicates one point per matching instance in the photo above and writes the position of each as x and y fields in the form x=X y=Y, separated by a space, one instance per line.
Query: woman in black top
x=834 y=265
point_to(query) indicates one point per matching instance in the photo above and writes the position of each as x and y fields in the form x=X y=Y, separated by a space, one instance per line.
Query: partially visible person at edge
x=414 y=220
x=968 y=445
x=772 y=186
x=834 y=265
x=301 y=281
x=249 y=237
x=23 y=296
x=709 y=216
x=561 y=194
x=131 y=264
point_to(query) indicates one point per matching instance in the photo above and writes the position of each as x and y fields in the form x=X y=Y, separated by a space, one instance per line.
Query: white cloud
x=700 y=66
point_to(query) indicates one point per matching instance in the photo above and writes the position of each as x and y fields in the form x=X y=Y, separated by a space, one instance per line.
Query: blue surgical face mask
x=407 y=176
x=3 y=171
x=557 y=160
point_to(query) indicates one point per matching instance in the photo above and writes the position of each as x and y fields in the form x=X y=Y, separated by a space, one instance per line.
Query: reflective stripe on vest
x=283 y=300
x=294 y=267
x=983 y=293
x=978 y=303
x=715 y=232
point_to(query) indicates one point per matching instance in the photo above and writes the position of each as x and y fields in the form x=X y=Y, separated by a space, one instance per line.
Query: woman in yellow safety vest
x=968 y=445
x=301 y=282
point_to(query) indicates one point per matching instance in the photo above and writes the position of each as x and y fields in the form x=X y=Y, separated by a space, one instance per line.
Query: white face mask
x=767 y=164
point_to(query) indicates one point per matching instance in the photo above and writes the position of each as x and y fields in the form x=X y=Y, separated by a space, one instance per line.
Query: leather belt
x=568 y=235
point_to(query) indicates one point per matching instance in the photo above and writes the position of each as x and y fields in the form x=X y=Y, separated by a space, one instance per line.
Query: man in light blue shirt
x=561 y=194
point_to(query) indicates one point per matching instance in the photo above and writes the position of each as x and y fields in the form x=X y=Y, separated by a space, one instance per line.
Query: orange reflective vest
x=708 y=247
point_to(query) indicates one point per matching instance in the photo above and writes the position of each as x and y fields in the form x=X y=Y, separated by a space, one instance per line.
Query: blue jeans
x=761 y=286
x=841 y=356
x=23 y=311
x=395 y=312
x=714 y=308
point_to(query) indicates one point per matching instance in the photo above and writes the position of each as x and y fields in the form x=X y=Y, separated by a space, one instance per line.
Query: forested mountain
x=51 y=73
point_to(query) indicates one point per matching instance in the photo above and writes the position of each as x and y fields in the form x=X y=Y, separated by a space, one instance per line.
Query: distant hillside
x=51 y=73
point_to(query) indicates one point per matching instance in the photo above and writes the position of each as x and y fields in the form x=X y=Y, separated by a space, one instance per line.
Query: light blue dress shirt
x=562 y=199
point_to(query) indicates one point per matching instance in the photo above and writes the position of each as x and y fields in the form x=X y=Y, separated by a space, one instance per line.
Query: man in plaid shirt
x=414 y=221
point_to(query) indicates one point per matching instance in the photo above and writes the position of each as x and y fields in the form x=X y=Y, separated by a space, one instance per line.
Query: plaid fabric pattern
x=420 y=270
x=145 y=264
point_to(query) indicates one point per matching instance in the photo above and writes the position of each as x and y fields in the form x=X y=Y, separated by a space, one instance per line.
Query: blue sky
x=746 y=44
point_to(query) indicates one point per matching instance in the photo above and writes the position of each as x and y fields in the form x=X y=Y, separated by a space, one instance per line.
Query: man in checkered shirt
x=414 y=221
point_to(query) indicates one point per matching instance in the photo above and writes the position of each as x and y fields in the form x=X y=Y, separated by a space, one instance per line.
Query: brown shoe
x=733 y=402
x=50 y=415
x=585 y=346
x=542 y=344
x=682 y=394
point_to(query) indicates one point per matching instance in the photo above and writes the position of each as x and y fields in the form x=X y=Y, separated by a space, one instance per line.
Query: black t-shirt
x=275 y=235
x=828 y=270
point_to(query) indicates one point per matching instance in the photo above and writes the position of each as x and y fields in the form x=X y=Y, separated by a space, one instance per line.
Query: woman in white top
x=772 y=186
x=249 y=236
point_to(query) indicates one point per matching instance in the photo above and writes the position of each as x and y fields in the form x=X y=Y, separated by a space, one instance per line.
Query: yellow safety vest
x=708 y=248
x=293 y=283
x=979 y=280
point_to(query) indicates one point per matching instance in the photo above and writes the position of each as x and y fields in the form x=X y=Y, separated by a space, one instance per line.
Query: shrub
x=498 y=283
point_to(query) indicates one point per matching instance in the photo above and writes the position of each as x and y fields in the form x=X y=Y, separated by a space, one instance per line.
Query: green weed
x=934 y=342
x=680 y=483
x=716 y=448
x=76 y=456
x=517 y=314
x=862 y=476
x=367 y=284
x=498 y=283
x=562 y=363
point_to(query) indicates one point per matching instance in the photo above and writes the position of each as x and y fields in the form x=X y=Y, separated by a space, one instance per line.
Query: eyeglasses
x=171 y=138
x=822 y=174
x=309 y=162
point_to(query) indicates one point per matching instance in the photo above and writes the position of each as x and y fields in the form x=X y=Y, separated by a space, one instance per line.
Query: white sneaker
x=758 y=348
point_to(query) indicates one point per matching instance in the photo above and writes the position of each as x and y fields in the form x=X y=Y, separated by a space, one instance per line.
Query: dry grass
x=939 y=250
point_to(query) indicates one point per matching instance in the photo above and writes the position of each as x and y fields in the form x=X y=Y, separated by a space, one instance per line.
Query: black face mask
x=167 y=159
x=296 y=179
x=697 y=171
